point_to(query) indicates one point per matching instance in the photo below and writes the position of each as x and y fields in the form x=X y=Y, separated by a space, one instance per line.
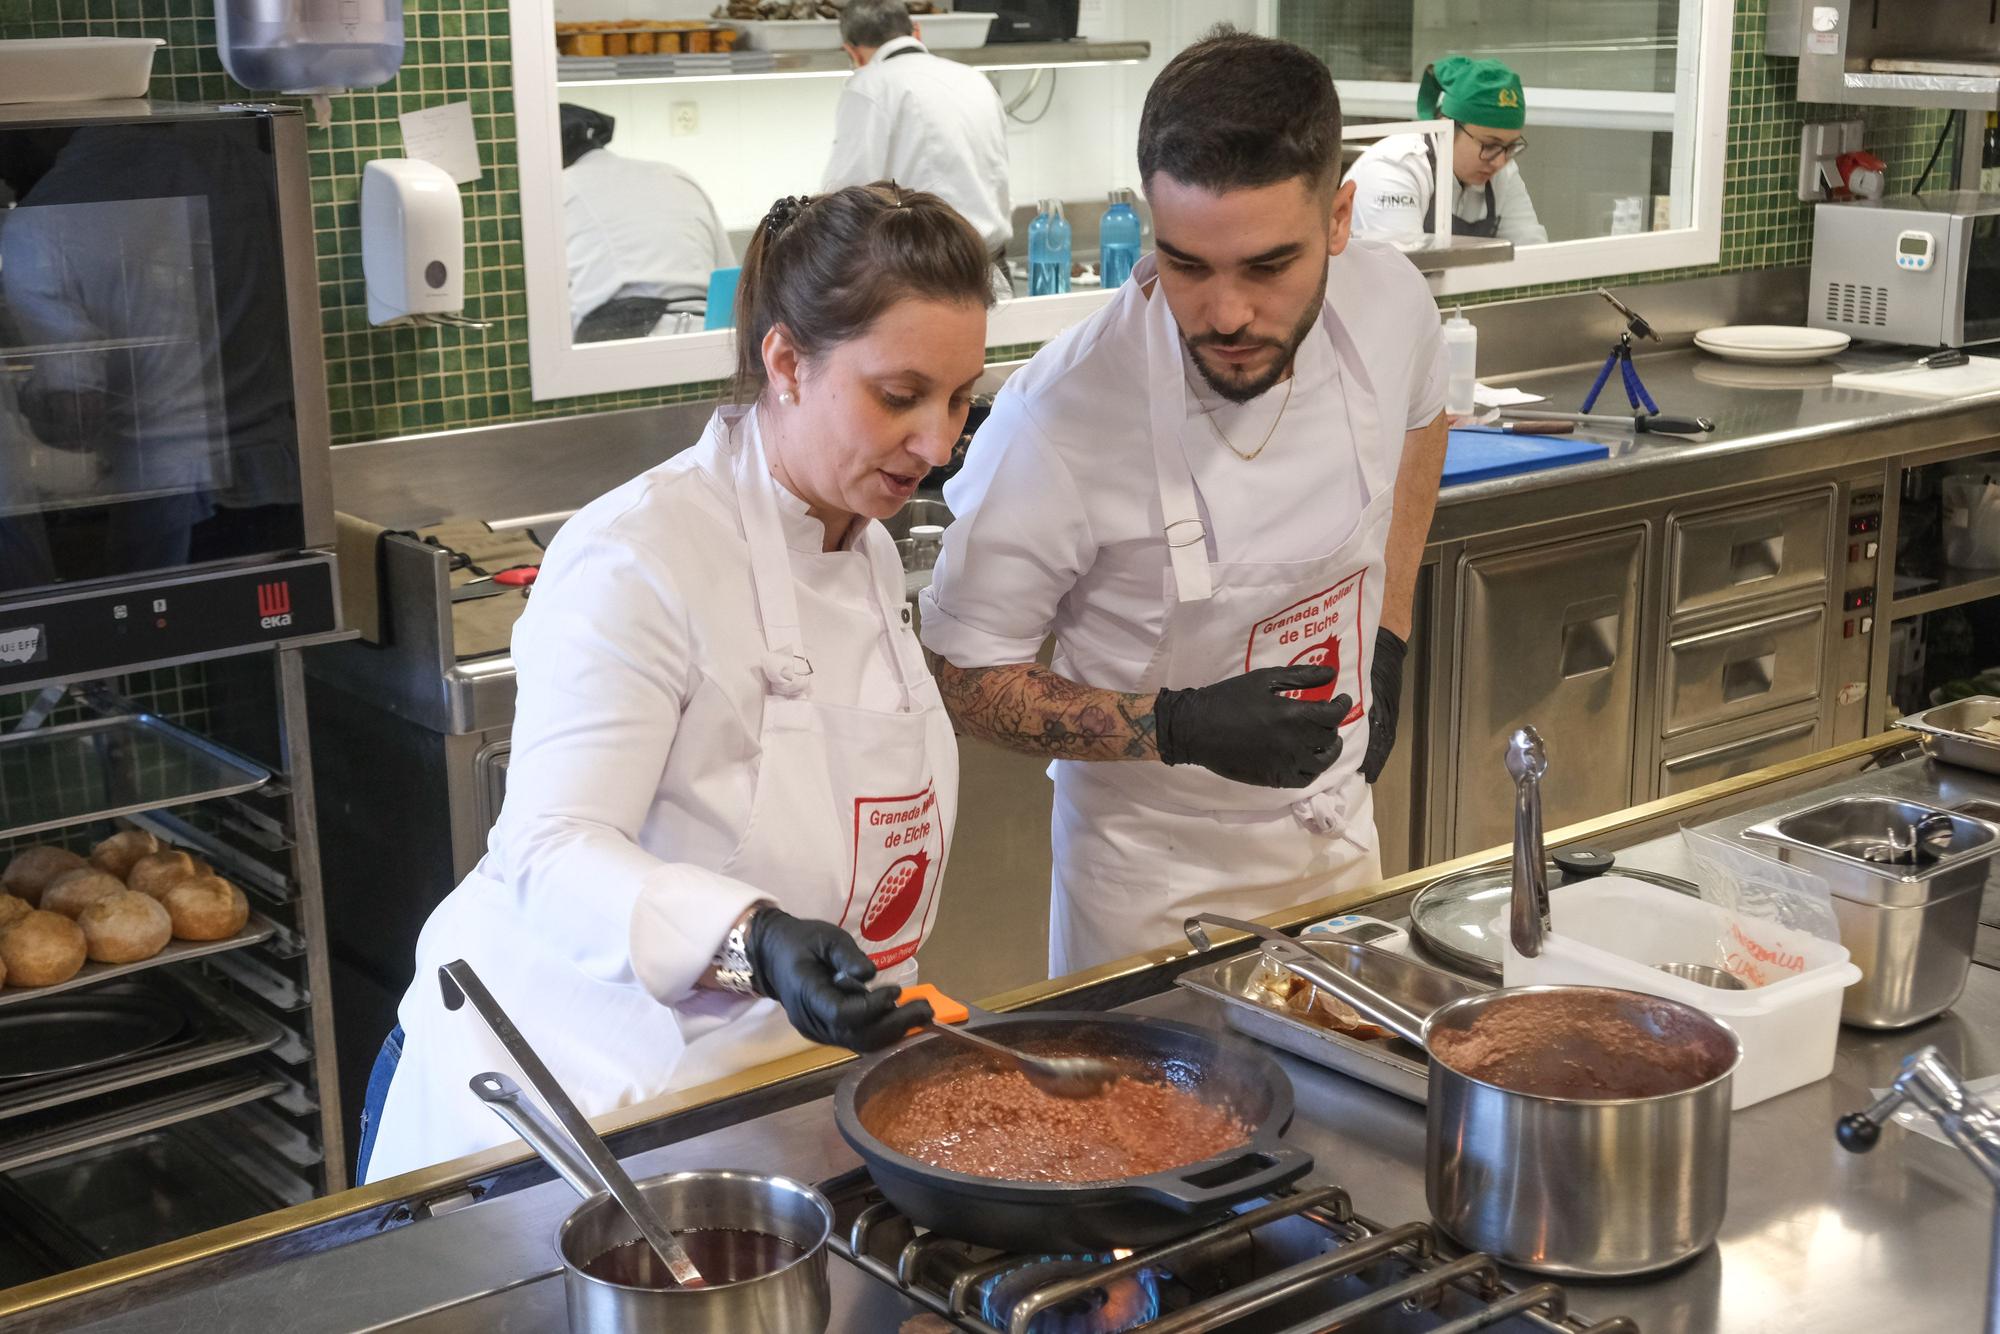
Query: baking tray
x=1948 y=735
x=125 y=1115
x=258 y=928
x=55 y=777
x=1387 y=1063
x=214 y=1026
x=75 y=1034
x=155 y=1187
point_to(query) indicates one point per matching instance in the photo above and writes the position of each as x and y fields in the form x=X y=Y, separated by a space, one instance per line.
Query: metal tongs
x=1528 y=914
x=1928 y=1081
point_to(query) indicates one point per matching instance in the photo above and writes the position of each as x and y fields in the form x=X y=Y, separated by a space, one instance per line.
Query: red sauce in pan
x=994 y=1123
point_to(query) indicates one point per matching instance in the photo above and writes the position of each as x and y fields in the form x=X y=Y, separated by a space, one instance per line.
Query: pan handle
x=1256 y=1172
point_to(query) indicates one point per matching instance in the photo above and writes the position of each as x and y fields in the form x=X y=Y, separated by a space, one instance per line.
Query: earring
x=785 y=396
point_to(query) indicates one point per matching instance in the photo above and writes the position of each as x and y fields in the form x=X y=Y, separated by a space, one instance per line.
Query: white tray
x=76 y=69
x=789 y=34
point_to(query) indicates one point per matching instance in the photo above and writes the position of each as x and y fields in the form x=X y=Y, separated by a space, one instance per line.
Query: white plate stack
x=1771 y=342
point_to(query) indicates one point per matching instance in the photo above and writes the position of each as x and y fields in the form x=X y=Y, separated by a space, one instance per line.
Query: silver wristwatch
x=732 y=961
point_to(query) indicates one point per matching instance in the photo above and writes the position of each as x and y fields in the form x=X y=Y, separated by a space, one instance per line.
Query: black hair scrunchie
x=783 y=214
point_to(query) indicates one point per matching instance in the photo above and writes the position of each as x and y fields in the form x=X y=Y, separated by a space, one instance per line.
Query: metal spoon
x=1057 y=1076
x=461 y=984
x=1528 y=918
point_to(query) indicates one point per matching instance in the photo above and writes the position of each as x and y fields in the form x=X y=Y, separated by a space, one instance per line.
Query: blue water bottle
x=1048 y=250
x=1118 y=239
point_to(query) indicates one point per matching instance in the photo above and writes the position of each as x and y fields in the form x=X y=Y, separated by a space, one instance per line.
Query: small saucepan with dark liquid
x=759 y=1241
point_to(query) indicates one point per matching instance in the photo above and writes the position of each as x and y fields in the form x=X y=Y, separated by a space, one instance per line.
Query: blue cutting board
x=1478 y=456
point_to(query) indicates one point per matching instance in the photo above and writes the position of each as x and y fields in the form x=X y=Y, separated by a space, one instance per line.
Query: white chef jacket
x=637 y=228
x=636 y=761
x=1058 y=530
x=926 y=123
x=1394 y=181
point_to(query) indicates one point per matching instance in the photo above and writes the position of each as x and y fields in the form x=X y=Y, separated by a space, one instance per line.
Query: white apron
x=850 y=822
x=1138 y=847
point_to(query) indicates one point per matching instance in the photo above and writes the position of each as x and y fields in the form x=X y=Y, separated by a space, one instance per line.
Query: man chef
x=1395 y=180
x=922 y=121
x=1214 y=494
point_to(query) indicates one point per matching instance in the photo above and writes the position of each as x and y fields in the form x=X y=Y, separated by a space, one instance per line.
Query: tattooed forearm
x=1027 y=707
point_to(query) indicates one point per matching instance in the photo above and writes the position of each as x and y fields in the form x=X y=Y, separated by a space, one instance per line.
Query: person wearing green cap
x=1395 y=179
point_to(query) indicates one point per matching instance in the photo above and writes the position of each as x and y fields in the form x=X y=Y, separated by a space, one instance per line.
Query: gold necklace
x=1231 y=446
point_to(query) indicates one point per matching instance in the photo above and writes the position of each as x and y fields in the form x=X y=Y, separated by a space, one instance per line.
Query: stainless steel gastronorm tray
x=1387 y=1063
x=1947 y=730
x=56 y=777
x=258 y=928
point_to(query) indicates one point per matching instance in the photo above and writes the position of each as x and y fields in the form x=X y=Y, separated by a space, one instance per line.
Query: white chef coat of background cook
x=1394 y=181
x=926 y=123
x=652 y=746
x=636 y=227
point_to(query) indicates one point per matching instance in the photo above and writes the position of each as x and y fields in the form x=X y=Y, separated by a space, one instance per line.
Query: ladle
x=582 y=1148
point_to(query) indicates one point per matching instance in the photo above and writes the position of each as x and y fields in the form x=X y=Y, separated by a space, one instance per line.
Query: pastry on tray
x=31 y=870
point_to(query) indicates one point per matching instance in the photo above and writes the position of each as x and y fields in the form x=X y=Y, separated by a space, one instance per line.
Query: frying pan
x=1045 y=1216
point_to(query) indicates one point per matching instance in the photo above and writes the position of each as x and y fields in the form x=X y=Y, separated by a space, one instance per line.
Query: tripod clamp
x=1620 y=356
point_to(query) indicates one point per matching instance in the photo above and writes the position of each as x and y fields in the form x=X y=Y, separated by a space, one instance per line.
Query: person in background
x=920 y=120
x=1396 y=177
x=643 y=236
x=1214 y=494
x=733 y=782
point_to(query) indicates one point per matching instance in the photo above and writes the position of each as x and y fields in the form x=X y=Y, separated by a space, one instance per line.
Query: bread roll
x=13 y=909
x=118 y=853
x=157 y=872
x=206 y=908
x=125 y=927
x=72 y=893
x=31 y=870
x=41 y=949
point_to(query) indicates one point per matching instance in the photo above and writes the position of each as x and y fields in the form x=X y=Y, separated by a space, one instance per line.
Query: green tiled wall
x=384 y=382
x=397 y=381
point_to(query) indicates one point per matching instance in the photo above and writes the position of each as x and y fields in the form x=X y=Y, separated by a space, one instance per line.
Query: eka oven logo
x=274 y=604
x=22 y=644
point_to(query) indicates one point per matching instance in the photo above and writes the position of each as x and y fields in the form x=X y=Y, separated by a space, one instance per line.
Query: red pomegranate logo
x=1323 y=654
x=896 y=896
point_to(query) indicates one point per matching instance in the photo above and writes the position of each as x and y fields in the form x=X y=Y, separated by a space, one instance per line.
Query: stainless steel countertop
x=1815 y=1240
x=1770 y=421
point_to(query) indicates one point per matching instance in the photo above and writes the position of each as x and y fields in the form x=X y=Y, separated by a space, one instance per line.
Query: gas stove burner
x=1124 y=1303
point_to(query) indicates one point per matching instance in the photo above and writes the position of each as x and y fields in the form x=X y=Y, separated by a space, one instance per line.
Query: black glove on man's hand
x=820 y=975
x=1244 y=728
x=1385 y=678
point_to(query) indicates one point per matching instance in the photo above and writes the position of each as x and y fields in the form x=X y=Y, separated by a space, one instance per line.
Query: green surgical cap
x=1475 y=92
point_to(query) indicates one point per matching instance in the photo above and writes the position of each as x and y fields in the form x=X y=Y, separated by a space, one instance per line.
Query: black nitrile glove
x=1385 y=677
x=820 y=975
x=1244 y=728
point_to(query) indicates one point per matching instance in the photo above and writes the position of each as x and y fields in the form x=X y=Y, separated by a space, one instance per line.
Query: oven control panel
x=67 y=636
x=1859 y=574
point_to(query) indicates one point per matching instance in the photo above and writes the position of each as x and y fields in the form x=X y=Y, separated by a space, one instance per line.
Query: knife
x=1641 y=424
x=1935 y=361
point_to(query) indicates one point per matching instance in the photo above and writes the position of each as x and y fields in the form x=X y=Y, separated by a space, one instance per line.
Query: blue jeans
x=386 y=1061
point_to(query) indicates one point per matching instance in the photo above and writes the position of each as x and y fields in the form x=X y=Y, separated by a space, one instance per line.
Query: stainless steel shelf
x=1942 y=599
x=259 y=928
x=1432 y=255
x=223 y=1028
x=589 y=71
x=79 y=773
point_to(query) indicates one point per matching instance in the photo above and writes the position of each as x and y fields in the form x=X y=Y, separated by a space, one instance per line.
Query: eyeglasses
x=1491 y=150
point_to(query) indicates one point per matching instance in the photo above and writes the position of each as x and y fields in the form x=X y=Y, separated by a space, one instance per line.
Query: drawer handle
x=1756 y=560
x=1589 y=645
x=1746 y=678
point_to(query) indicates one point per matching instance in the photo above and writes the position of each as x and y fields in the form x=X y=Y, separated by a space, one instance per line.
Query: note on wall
x=442 y=136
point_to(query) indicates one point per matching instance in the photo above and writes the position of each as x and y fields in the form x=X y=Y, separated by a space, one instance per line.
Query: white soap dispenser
x=412 y=243
x=1461 y=351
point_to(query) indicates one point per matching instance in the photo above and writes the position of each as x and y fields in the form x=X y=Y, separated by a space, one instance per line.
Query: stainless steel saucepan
x=1536 y=1155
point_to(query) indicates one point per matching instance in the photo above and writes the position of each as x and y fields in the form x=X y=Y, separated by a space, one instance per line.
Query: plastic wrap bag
x=1767 y=905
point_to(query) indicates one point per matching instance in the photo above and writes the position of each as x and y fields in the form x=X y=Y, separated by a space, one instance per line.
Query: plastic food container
x=952 y=32
x=1610 y=932
x=76 y=69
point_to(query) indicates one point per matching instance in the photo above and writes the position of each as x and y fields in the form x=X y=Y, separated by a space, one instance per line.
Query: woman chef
x=733 y=781
x=1396 y=178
